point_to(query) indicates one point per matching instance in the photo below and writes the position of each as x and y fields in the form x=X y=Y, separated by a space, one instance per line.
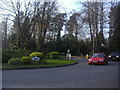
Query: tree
x=45 y=14
x=94 y=16
x=31 y=21
x=72 y=25
x=114 y=37
x=4 y=28
x=70 y=42
x=22 y=14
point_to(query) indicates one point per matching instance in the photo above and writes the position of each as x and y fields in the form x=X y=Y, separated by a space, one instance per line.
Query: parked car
x=98 y=58
x=114 y=56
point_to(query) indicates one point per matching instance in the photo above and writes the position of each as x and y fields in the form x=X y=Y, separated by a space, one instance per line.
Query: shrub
x=12 y=53
x=37 y=54
x=54 y=55
x=36 y=62
x=14 y=61
x=25 y=60
x=48 y=55
x=8 y=54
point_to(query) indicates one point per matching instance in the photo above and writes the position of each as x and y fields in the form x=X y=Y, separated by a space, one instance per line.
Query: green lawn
x=49 y=62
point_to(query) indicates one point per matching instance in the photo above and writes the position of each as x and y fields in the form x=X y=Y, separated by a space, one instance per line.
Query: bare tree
x=4 y=29
x=96 y=19
x=22 y=21
x=45 y=14
x=31 y=20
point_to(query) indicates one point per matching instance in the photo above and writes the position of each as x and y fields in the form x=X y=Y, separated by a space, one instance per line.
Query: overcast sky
x=68 y=5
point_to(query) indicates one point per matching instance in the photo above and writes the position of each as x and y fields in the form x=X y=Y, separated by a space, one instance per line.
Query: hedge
x=12 y=53
x=53 y=55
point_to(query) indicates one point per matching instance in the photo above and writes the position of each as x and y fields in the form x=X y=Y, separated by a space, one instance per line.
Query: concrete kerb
x=40 y=67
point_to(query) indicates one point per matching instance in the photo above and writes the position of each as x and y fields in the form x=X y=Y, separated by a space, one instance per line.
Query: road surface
x=80 y=75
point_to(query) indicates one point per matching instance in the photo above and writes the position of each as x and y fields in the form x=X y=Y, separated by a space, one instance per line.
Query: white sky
x=65 y=5
x=68 y=5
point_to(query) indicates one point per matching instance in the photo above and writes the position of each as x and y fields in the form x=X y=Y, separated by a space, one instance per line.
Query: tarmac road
x=80 y=75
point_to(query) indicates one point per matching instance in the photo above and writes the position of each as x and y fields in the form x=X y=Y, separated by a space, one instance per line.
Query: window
x=98 y=55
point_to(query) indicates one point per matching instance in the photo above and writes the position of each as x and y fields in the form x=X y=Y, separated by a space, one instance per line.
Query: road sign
x=35 y=58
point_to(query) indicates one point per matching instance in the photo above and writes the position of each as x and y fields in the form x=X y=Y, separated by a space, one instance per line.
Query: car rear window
x=98 y=55
x=115 y=54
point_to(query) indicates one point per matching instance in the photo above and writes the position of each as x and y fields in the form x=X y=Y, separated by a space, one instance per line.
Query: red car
x=98 y=58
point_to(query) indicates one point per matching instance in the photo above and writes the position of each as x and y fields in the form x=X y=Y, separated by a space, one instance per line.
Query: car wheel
x=106 y=63
x=89 y=63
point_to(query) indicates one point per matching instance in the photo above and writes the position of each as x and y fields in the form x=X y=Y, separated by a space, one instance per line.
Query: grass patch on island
x=48 y=63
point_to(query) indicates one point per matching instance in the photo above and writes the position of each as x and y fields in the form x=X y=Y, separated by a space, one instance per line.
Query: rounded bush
x=54 y=55
x=25 y=60
x=37 y=54
x=14 y=61
x=48 y=55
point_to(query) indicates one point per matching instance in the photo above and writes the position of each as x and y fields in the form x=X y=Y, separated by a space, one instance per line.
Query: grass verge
x=49 y=63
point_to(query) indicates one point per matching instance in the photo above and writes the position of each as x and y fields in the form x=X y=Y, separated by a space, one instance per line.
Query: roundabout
x=48 y=63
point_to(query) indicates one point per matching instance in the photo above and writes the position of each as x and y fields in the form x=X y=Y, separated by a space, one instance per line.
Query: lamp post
x=102 y=45
x=78 y=51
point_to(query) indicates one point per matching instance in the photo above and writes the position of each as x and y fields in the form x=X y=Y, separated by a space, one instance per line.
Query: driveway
x=80 y=75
